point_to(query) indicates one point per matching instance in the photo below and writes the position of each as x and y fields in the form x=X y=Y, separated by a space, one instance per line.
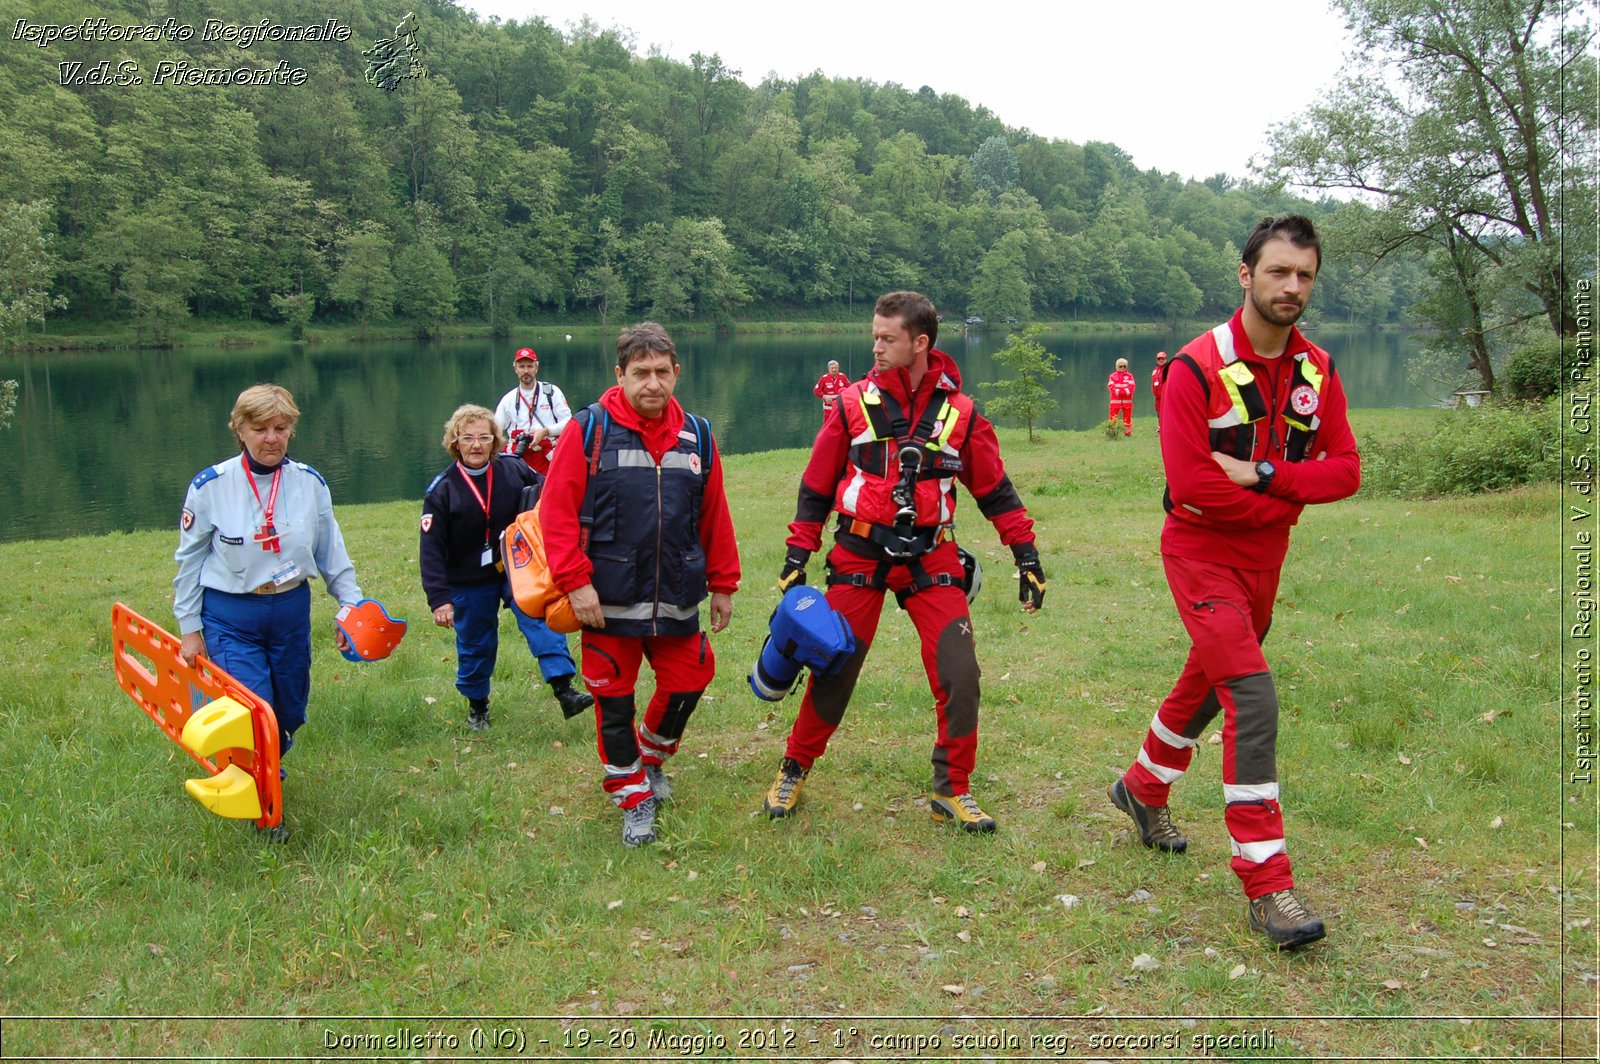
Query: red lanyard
x=533 y=406
x=483 y=499
x=268 y=536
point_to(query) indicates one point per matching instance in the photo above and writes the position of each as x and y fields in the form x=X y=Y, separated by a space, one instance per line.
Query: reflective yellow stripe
x=949 y=415
x=1234 y=376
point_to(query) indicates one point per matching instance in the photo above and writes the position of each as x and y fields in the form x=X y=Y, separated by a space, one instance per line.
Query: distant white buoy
x=569 y=337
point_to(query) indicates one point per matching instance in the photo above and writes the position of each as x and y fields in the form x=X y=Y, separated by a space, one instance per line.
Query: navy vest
x=643 y=526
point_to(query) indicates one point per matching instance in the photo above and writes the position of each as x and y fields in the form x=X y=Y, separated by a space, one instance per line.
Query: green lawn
x=437 y=876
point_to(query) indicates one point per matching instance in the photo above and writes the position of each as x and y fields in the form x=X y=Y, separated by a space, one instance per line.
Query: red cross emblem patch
x=1303 y=400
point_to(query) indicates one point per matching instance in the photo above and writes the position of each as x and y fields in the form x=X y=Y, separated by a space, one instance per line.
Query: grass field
x=434 y=876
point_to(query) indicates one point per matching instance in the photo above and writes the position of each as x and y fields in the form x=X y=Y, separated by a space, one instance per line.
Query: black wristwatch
x=1265 y=471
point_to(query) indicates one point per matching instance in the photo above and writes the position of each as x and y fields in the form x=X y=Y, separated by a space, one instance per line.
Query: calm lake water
x=107 y=441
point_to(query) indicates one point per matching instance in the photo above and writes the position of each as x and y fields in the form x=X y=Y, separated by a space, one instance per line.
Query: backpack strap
x=594 y=436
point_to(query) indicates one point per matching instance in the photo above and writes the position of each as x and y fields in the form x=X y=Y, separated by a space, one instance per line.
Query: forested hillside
x=535 y=171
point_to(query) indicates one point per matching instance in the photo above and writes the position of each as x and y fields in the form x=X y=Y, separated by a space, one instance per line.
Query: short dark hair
x=1295 y=228
x=914 y=309
x=645 y=338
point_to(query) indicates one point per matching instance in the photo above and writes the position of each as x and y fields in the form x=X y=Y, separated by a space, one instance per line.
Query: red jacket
x=826 y=485
x=568 y=481
x=1210 y=518
x=1121 y=385
x=1155 y=387
x=830 y=384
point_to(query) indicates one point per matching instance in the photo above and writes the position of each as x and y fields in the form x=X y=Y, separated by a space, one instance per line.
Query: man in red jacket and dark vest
x=1255 y=431
x=886 y=461
x=638 y=532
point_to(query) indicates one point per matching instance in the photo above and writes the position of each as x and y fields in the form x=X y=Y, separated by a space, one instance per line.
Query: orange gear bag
x=528 y=567
x=150 y=669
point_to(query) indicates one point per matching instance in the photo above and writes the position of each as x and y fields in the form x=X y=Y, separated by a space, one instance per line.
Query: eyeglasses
x=481 y=441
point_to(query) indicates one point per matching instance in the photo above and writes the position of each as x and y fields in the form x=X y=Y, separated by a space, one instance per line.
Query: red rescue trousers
x=684 y=666
x=949 y=656
x=1126 y=410
x=1227 y=613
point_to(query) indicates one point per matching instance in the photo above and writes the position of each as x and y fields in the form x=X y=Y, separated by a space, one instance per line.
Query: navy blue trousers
x=477 y=609
x=264 y=642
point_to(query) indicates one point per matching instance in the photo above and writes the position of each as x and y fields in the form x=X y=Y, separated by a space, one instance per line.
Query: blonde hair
x=465 y=414
x=1122 y=363
x=263 y=402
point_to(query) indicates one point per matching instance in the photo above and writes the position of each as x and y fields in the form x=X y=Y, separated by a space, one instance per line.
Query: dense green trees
x=535 y=173
x=1470 y=124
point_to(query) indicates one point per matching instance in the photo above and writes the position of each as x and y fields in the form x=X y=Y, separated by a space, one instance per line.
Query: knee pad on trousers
x=830 y=695
x=616 y=729
x=957 y=662
x=679 y=708
x=1255 y=739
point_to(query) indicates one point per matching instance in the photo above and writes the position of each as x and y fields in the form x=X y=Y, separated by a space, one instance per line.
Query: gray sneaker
x=1285 y=920
x=1153 y=821
x=657 y=776
x=639 y=824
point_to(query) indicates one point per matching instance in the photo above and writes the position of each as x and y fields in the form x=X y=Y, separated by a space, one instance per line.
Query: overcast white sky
x=1184 y=87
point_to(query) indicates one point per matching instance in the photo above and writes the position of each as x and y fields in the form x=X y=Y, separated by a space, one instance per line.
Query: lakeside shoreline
x=254 y=334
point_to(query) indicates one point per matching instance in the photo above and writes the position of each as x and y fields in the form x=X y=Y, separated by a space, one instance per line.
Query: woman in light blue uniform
x=255 y=530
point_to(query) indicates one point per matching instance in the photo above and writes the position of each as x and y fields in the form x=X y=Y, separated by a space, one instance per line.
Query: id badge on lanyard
x=487 y=558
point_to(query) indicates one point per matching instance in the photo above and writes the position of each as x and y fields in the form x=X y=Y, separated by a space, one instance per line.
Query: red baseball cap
x=526 y=352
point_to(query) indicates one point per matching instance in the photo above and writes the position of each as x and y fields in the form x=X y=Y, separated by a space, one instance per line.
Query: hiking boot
x=784 y=794
x=659 y=784
x=478 y=714
x=960 y=809
x=572 y=700
x=1153 y=821
x=639 y=823
x=1285 y=920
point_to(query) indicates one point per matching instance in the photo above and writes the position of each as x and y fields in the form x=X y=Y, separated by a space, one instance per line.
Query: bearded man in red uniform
x=886 y=461
x=1255 y=431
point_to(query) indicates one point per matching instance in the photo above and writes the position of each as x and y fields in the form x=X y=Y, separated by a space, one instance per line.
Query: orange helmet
x=369 y=629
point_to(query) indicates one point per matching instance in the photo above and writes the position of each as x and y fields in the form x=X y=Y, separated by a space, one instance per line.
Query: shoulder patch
x=186 y=519
x=313 y=472
x=204 y=477
x=427 y=522
x=434 y=483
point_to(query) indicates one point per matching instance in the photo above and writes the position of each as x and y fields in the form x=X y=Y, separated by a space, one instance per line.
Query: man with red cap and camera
x=532 y=414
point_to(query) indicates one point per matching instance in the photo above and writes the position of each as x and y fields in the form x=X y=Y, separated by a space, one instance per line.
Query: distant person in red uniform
x=1155 y=386
x=1121 y=385
x=887 y=461
x=638 y=532
x=1256 y=431
x=828 y=388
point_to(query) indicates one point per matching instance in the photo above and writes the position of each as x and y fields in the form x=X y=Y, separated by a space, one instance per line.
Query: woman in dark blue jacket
x=466 y=508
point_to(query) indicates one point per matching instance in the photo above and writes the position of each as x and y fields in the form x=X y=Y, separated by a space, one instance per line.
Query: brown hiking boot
x=1285 y=920
x=1153 y=821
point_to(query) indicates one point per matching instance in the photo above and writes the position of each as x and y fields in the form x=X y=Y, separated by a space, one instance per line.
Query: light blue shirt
x=221 y=515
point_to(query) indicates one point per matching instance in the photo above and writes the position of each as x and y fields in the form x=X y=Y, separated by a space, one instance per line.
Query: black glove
x=794 y=568
x=1030 y=576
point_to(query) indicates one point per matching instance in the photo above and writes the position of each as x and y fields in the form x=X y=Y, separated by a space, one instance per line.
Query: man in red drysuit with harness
x=886 y=460
x=1256 y=430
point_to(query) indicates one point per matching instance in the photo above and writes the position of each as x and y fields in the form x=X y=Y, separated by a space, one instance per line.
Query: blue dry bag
x=805 y=632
